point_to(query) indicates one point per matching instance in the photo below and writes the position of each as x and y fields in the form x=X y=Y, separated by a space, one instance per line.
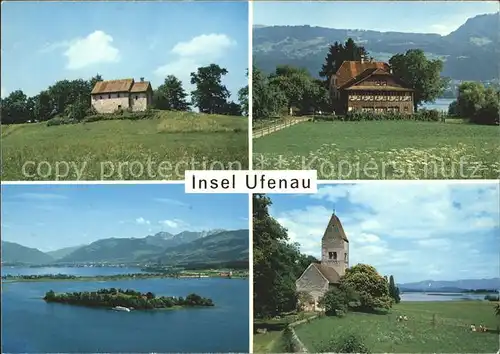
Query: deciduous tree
x=421 y=74
x=210 y=95
x=171 y=95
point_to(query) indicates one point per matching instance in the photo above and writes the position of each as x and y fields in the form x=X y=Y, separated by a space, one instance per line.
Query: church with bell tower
x=319 y=277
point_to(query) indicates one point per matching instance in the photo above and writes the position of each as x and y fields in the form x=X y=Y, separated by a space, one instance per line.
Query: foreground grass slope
x=383 y=334
x=159 y=148
x=383 y=150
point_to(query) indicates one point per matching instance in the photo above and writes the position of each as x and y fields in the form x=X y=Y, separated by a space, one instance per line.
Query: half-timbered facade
x=369 y=86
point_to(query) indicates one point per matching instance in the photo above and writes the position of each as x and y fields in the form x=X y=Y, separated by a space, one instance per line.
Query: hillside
x=62 y=252
x=205 y=246
x=179 y=138
x=15 y=253
x=128 y=249
x=469 y=53
x=225 y=246
x=447 y=285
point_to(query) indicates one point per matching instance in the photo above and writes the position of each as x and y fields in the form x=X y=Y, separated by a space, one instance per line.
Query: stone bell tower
x=335 y=246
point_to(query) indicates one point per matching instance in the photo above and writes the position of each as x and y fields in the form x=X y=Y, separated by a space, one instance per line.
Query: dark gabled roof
x=328 y=272
x=335 y=228
x=141 y=86
x=112 y=86
x=350 y=69
x=350 y=85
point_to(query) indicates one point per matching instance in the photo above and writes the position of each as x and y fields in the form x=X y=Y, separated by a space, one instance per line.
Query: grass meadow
x=161 y=148
x=449 y=333
x=383 y=150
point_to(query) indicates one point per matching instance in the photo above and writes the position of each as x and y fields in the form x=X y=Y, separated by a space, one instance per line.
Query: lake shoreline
x=111 y=278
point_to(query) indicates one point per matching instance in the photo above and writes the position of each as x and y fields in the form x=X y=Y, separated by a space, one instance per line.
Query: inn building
x=369 y=86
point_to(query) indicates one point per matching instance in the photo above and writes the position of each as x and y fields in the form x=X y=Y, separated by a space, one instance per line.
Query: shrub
x=60 y=121
x=350 y=343
x=334 y=300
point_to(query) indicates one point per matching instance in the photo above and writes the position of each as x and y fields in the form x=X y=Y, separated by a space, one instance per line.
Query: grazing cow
x=473 y=328
x=405 y=318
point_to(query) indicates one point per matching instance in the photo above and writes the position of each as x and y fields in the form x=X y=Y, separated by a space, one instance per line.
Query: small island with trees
x=130 y=299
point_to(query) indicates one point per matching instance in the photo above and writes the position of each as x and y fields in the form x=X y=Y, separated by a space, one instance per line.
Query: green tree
x=171 y=95
x=337 y=54
x=300 y=89
x=243 y=100
x=477 y=103
x=267 y=101
x=274 y=260
x=210 y=95
x=497 y=309
x=421 y=74
x=371 y=287
x=394 y=290
x=14 y=108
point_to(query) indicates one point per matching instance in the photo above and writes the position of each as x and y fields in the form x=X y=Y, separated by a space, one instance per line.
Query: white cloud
x=41 y=196
x=142 y=221
x=173 y=223
x=198 y=51
x=96 y=48
x=181 y=68
x=170 y=223
x=411 y=229
x=207 y=45
x=170 y=201
x=443 y=29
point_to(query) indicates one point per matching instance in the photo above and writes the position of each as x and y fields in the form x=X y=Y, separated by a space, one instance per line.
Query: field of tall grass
x=441 y=326
x=160 y=148
x=383 y=150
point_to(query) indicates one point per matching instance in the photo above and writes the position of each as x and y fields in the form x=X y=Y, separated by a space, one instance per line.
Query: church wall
x=313 y=283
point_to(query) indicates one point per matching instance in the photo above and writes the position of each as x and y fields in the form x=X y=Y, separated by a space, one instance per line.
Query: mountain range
x=469 y=53
x=215 y=246
x=451 y=285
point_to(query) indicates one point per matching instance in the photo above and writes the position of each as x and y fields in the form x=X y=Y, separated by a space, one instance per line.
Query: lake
x=30 y=325
x=441 y=104
x=440 y=296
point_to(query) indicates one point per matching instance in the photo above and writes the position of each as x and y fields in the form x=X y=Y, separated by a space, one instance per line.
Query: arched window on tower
x=345 y=257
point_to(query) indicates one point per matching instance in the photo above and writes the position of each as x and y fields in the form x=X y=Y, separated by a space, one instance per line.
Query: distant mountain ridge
x=469 y=53
x=214 y=246
x=452 y=285
x=16 y=253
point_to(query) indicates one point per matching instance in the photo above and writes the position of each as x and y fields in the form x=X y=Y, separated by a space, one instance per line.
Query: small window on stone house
x=345 y=257
x=136 y=97
x=109 y=96
x=100 y=97
x=118 y=95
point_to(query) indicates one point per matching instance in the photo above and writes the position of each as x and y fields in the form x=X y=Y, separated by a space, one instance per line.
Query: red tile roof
x=124 y=85
x=112 y=86
x=141 y=86
x=350 y=69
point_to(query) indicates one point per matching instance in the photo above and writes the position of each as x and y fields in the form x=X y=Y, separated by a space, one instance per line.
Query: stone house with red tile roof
x=112 y=95
x=318 y=278
x=369 y=86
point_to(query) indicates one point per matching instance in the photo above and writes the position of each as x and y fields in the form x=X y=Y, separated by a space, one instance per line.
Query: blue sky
x=440 y=17
x=43 y=42
x=50 y=217
x=415 y=231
